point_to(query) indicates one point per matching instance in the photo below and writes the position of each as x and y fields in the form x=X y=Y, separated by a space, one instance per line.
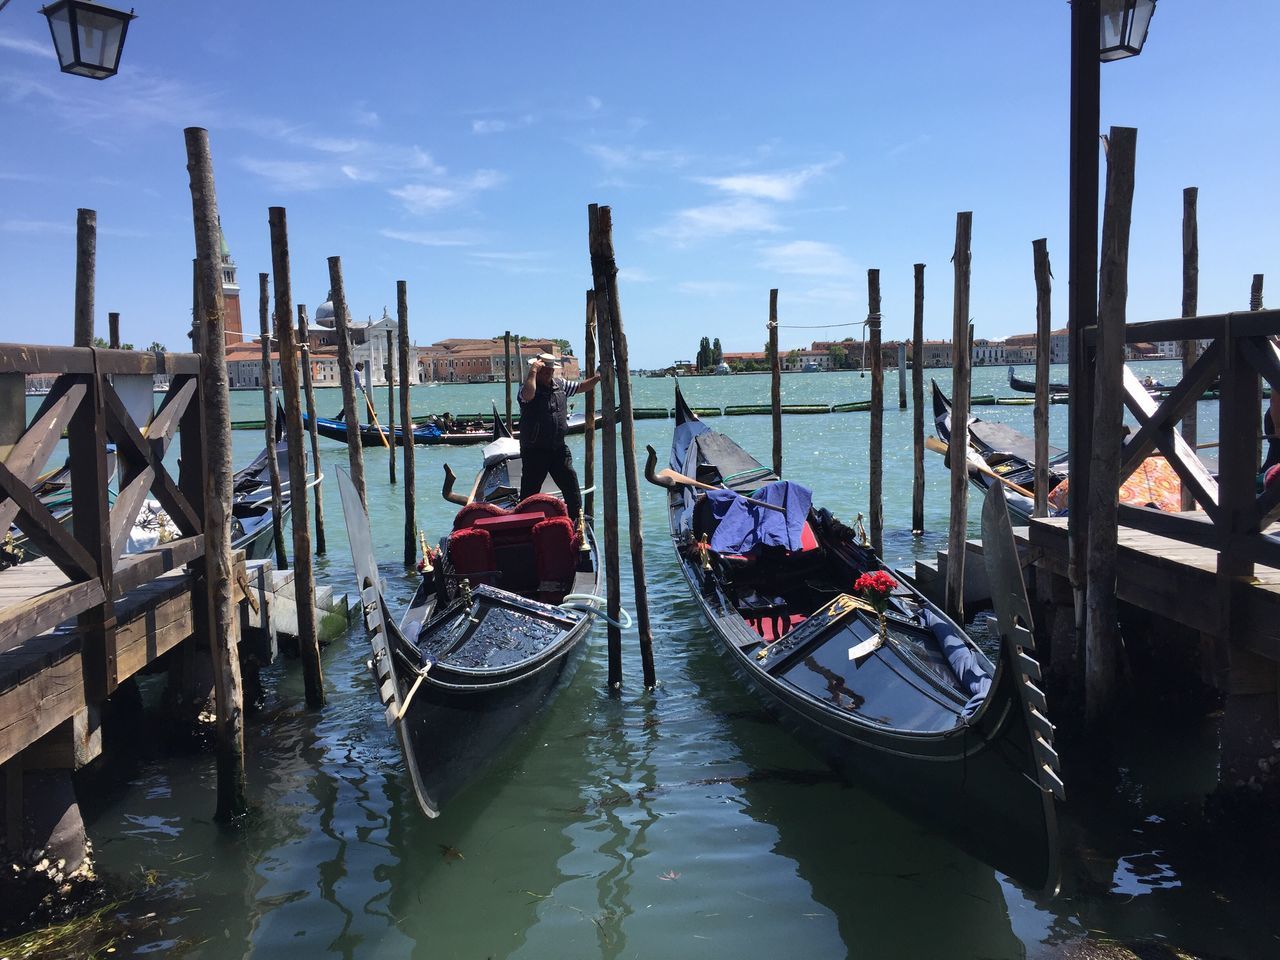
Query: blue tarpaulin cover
x=743 y=526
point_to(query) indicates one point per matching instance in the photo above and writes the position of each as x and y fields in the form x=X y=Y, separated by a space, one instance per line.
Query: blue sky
x=742 y=146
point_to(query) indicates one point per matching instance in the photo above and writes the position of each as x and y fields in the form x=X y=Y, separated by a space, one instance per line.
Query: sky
x=741 y=146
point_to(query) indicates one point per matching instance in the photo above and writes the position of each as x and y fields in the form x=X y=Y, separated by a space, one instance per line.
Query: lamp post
x=1101 y=31
x=88 y=37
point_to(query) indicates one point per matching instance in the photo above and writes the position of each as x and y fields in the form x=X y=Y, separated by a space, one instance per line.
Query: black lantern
x=88 y=37
x=1124 y=26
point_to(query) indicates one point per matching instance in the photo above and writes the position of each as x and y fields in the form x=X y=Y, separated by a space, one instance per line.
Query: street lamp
x=89 y=37
x=1124 y=26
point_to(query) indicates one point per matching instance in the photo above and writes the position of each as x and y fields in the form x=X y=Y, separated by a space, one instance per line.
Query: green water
x=678 y=822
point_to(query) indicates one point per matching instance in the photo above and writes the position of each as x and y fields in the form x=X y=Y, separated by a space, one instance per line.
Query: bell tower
x=230 y=292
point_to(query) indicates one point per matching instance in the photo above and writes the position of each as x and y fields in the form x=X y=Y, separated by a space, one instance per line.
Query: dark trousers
x=535 y=464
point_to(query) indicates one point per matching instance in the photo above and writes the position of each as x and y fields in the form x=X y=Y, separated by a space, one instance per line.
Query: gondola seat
x=512 y=548
x=543 y=503
x=472 y=512
x=555 y=557
x=472 y=556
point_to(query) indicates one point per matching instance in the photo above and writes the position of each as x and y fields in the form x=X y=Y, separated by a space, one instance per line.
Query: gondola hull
x=974 y=782
x=371 y=436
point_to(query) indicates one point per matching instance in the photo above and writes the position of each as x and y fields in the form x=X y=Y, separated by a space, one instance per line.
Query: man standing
x=544 y=411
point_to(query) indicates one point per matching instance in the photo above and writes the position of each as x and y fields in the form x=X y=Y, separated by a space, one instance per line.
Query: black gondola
x=493 y=629
x=1029 y=386
x=1005 y=451
x=921 y=716
x=424 y=434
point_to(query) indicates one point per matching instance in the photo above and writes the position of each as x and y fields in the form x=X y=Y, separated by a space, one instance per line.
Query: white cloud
x=424 y=198
x=781 y=186
x=31 y=47
x=635 y=275
x=594 y=104
x=627 y=158
x=37 y=227
x=523 y=261
x=807 y=258
x=364 y=116
x=719 y=220
x=708 y=288
x=829 y=294
x=289 y=174
x=429 y=239
x=488 y=126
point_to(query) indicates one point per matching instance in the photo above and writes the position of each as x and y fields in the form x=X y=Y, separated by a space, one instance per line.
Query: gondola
x=1005 y=451
x=1029 y=386
x=426 y=434
x=918 y=714
x=494 y=628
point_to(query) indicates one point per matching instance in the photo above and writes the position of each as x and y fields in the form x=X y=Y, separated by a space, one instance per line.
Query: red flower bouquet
x=876 y=587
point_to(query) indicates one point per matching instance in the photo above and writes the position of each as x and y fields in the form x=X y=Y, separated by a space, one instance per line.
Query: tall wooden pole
x=959 y=443
x=222 y=625
x=391 y=413
x=113 y=331
x=303 y=572
x=346 y=373
x=406 y=423
x=1255 y=292
x=589 y=436
x=609 y=457
x=1190 y=301
x=603 y=251
x=917 y=403
x=304 y=345
x=1044 y=325
x=269 y=421
x=1102 y=640
x=506 y=353
x=902 y=375
x=876 y=452
x=775 y=383
x=86 y=268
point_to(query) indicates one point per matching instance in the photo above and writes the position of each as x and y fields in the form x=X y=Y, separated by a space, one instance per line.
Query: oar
x=381 y=433
x=668 y=477
x=938 y=446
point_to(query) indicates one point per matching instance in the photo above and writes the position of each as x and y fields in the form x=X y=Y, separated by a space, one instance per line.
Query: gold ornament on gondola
x=583 y=546
x=704 y=549
x=425 y=566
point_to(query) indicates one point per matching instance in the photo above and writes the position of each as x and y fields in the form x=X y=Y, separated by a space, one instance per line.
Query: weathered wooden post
x=608 y=453
x=1040 y=260
x=917 y=402
x=222 y=624
x=346 y=373
x=589 y=435
x=391 y=414
x=959 y=443
x=775 y=383
x=269 y=421
x=304 y=346
x=1255 y=292
x=86 y=268
x=113 y=331
x=1101 y=631
x=635 y=523
x=506 y=355
x=876 y=451
x=303 y=573
x=902 y=375
x=1190 y=299
x=406 y=421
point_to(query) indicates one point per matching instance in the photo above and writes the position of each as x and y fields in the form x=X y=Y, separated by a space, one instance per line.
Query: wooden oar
x=381 y=433
x=939 y=446
x=667 y=477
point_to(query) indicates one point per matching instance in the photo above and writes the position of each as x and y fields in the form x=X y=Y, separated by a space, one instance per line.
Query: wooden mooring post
x=86 y=267
x=113 y=330
x=635 y=522
x=1040 y=416
x=875 y=456
x=959 y=442
x=304 y=347
x=506 y=355
x=346 y=373
x=608 y=453
x=1190 y=304
x=406 y=422
x=1102 y=641
x=222 y=625
x=269 y=421
x=902 y=375
x=775 y=383
x=304 y=575
x=391 y=413
x=917 y=403
x=589 y=434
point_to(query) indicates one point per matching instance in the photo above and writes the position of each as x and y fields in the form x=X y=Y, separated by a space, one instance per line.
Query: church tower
x=230 y=293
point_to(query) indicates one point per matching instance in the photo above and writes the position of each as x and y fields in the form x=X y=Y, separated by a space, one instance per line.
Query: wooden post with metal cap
x=406 y=422
x=959 y=441
x=304 y=348
x=775 y=383
x=917 y=403
x=346 y=373
x=876 y=449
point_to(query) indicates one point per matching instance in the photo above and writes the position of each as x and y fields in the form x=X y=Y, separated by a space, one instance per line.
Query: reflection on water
x=677 y=822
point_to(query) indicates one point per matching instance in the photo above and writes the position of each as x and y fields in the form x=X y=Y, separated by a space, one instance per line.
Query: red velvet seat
x=555 y=556
x=471 y=555
x=543 y=503
x=474 y=511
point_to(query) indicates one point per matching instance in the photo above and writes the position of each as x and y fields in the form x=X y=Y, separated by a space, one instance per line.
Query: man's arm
x=585 y=386
x=530 y=385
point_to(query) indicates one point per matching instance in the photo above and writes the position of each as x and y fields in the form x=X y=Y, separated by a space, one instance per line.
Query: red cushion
x=474 y=511
x=808 y=541
x=543 y=503
x=554 y=550
x=471 y=553
x=773 y=628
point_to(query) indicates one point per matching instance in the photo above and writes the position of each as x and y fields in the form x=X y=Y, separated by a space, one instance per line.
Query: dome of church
x=324 y=314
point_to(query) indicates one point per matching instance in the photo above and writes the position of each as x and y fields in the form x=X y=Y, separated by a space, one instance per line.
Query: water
x=673 y=823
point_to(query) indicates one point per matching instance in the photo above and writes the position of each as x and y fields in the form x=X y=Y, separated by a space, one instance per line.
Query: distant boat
x=809 y=368
x=723 y=369
x=1029 y=386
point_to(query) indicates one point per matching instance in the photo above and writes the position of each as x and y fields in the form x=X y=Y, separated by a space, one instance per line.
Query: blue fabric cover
x=965 y=664
x=743 y=526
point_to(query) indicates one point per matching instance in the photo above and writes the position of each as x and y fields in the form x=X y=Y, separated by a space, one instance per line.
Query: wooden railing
x=1241 y=354
x=100 y=397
